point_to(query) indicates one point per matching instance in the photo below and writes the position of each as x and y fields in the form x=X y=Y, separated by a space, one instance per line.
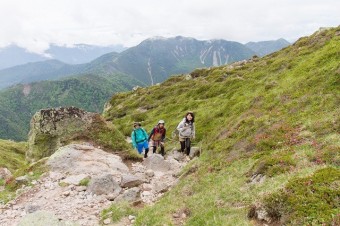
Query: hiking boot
x=146 y=153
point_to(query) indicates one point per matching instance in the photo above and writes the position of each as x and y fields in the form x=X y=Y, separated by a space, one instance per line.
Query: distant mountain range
x=267 y=47
x=89 y=85
x=14 y=55
x=150 y=62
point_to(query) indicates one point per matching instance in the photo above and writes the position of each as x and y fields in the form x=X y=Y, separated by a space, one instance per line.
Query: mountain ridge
x=152 y=61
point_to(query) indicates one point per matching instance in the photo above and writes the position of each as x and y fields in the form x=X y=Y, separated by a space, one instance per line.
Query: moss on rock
x=53 y=128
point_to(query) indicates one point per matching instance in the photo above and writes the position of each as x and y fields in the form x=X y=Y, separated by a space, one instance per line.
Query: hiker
x=157 y=137
x=139 y=139
x=186 y=130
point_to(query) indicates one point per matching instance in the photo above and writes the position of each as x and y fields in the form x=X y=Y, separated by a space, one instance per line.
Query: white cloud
x=36 y=23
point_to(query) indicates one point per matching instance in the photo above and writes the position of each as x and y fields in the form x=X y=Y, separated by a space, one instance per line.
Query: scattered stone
x=179 y=156
x=112 y=196
x=31 y=208
x=257 y=178
x=130 y=195
x=150 y=173
x=22 y=179
x=103 y=185
x=131 y=217
x=161 y=187
x=129 y=181
x=175 y=215
x=194 y=151
x=147 y=187
x=81 y=188
x=107 y=221
x=66 y=193
x=5 y=174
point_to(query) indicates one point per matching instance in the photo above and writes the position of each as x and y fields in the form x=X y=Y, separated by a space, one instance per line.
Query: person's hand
x=162 y=143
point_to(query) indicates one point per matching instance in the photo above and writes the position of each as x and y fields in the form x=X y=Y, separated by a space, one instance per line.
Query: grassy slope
x=12 y=154
x=278 y=116
x=12 y=157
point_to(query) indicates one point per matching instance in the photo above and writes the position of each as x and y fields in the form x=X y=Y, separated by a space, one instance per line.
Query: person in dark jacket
x=139 y=139
x=186 y=130
x=157 y=137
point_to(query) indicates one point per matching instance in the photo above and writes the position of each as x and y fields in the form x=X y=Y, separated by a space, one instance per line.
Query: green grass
x=12 y=154
x=84 y=182
x=313 y=200
x=278 y=116
x=117 y=211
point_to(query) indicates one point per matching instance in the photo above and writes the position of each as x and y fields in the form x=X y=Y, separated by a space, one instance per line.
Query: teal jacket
x=138 y=135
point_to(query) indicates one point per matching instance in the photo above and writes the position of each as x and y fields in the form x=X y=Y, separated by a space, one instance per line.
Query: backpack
x=158 y=133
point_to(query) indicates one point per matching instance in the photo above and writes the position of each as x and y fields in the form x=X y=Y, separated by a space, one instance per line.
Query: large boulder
x=43 y=218
x=53 y=128
x=156 y=162
x=77 y=159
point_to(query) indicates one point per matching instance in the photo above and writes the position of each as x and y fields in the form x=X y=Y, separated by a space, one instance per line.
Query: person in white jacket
x=186 y=129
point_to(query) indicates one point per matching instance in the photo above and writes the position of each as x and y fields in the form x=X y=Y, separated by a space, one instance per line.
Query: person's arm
x=180 y=126
x=152 y=132
x=163 y=135
x=145 y=134
x=134 y=144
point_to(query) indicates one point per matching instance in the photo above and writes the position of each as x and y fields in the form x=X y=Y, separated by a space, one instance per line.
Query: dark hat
x=136 y=123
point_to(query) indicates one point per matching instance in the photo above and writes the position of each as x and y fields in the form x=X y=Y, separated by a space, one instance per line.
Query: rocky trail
x=83 y=180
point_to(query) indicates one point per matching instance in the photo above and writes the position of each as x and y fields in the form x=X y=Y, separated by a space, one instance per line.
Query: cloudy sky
x=34 y=24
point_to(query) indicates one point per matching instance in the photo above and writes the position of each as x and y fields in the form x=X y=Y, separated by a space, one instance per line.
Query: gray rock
x=150 y=173
x=257 y=178
x=161 y=187
x=156 y=162
x=78 y=159
x=31 y=208
x=179 y=156
x=130 y=195
x=43 y=218
x=81 y=188
x=104 y=185
x=129 y=181
x=147 y=187
x=194 y=151
x=49 y=128
x=112 y=196
x=107 y=221
x=262 y=214
x=22 y=179
x=5 y=174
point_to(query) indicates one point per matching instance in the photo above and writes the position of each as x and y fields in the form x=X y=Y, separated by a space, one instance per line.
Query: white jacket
x=186 y=130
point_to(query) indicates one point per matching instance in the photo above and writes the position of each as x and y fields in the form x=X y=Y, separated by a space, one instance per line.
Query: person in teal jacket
x=139 y=139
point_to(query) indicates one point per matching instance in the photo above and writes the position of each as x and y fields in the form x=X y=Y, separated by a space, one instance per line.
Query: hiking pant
x=141 y=145
x=185 y=145
x=155 y=144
